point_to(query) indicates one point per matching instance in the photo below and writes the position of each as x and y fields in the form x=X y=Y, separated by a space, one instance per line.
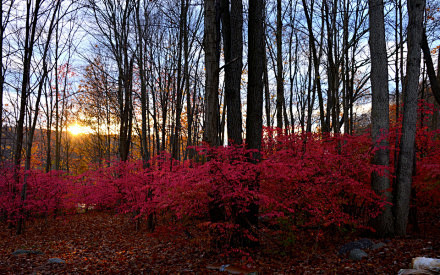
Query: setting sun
x=76 y=129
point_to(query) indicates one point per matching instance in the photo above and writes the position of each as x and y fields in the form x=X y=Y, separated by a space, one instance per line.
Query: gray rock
x=414 y=272
x=378 y=246
x=349 y=247
x=366 y=243
x=56 y=261
x=360 y=244
x=23 y=251
x=357 y=254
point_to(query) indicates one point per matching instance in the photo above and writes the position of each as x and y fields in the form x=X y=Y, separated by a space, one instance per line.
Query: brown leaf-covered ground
x=98 y=242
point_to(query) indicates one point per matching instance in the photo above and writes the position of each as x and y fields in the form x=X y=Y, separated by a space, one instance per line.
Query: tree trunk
x=379 y=113
x=279 y=75
x=30 y=29
x=254 y=119
x=266 y=92
x=435 y=85
x=293 y=59
x=212 y=55
x=407 y=143
x=57 y=112
x=316 y=61
x=2 y=79
x=144 y=146
x=175 y=149
x=232 y=26
x=42 y=81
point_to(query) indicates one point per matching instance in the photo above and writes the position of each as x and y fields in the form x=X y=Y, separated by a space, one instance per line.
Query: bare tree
x=34 y=17
x=4 y=20
x=114 y=28
x=141 y=44
x=183 y=42
x=316 y=62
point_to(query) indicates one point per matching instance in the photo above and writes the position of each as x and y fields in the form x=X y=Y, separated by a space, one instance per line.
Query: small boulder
x=366 y=243
x=378 y=246
x=23 y=251
x=414 y=272
x=349 y=247
x=430 y=264
x=360 y=244
x=56 y=261
x=357 y=254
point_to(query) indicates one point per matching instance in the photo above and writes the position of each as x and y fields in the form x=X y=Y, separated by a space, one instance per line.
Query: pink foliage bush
x=303 y=181
x=308 y=181
x=45 y=193
x=427 y=178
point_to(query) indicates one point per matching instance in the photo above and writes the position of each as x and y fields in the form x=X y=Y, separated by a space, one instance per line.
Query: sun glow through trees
x=76 y=129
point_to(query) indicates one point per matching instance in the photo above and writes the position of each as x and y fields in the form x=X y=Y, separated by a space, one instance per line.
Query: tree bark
x=212 y=55
x=266 y=93
x=380 y=113
x=175 y=149
x=279 y=75
x=407 y=143
x=435 y=86
x=232 y=26
x=142 y=74
x=254 y=119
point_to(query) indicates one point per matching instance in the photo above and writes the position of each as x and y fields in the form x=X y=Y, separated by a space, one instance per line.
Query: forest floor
x=98 y=242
